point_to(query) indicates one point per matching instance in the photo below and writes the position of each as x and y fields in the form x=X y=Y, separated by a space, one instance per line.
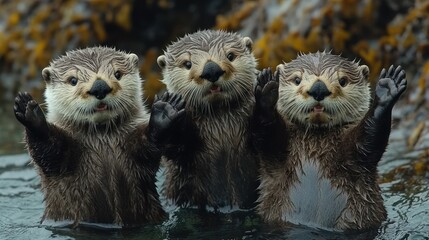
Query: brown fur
x=215 y=166
x=277 y=177
x=97 y=167
x=334 y=147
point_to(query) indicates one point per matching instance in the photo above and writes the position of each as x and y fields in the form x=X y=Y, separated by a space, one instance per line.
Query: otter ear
x=365 y=71
x=161 y=61
x=280 y=67
x=279 y=70
x=248 y=43
x=134 y=59
x=47 y=74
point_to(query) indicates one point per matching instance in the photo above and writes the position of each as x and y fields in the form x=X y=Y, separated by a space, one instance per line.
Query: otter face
x=210 y=68
x=92 y=85
x=323 y=90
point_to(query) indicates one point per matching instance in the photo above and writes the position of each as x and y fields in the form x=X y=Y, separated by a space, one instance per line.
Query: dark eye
x=297 y=80
x=230 y=56
x=118 y=75
x=343 y=81
x=187 y=64
x=73 y=81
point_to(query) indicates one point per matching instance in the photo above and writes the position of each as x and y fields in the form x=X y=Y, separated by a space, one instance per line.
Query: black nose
x=99 y=89
x=319 y=91
x=212 y=71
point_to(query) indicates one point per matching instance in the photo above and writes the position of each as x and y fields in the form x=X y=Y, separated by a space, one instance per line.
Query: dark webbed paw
x=267 y=94
x=28 y=113
x=167 y=113
x=390 y=86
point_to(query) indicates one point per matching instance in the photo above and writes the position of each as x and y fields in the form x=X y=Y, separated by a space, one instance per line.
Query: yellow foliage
x=424 y=78
x=388 y=40
x=52 y=29
x=83 y=32
x=396 y=29
x=421 y=168
x=41 y=16
x=3 y=44
x=77 y=18
x=40 y=57
x=39 y=50
x=149 y=61
x=296 y=41
x=34 y=33
x=13 y=19
x=314 y=41
x=409 y=40
x=123 y=17
x=152 y=83
x=339 y=38
x=106 y=4
x=371 y=57
x=415 y=135
x=348 y=7
x=98 y=28
x=233 y=22
x=269 y=50
x=368 y=12
x=276 y=26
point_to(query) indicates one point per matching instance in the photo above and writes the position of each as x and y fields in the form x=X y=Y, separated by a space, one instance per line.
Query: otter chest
x=105 y=157
x=314 y=199
x=225 y=136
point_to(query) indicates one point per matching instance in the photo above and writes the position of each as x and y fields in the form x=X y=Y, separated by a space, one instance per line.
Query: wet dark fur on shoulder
x=323 y=140
x=92 y=150
x=215 y=165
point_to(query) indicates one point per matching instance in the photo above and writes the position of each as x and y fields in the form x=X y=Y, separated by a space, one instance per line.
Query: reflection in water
x=21 y=208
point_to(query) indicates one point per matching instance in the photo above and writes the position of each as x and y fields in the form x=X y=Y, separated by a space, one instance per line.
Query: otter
x=97 y=150
x=215 y=166
x=323 y=138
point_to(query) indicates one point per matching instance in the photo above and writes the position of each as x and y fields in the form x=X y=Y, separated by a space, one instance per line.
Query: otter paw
x=166 y=112
x=28 y=113
x=267 y=94
x=390 y=86
x=264 y=77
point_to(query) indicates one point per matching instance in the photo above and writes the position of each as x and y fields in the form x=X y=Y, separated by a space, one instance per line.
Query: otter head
x=211 y=69
x=323 y=90
x=93 y=85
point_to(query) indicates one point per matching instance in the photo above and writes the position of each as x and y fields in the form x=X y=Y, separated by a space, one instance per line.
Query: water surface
x=21 y=207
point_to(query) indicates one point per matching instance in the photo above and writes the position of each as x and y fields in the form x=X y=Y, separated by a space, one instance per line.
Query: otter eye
x=230 y=56
x=73 y=81
x=342 y=81
x=187 y=64
x=118 y=75
x=297 y=80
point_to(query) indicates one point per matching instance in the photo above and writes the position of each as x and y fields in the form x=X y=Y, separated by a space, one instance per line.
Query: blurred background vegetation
x=378 y=33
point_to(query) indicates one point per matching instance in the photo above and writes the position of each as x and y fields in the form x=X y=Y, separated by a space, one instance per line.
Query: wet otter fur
x=323 y=138
x=96 y=151
x=215 y=72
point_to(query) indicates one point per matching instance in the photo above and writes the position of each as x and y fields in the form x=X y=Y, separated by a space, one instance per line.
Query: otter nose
x=99 y=89
x=319 y=91
x=212 y=72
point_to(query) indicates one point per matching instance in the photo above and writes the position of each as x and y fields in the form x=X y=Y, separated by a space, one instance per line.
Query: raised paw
x=264 y=77
x=267 y=94
x=167 y=112
x=390 y=87
x=28 y=113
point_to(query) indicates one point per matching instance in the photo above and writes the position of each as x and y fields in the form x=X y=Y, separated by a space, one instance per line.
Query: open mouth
x=318 y=108
x=101 y=107
x=215 y=89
